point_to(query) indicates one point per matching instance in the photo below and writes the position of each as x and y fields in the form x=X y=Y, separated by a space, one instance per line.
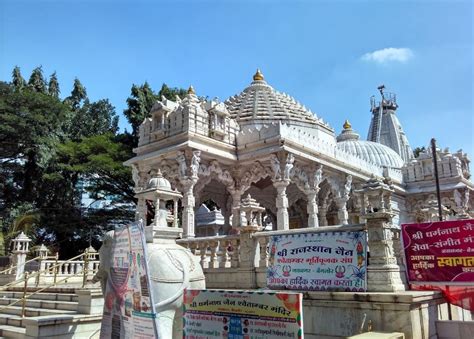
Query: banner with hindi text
x=335 y=261
x=242 y=314
x=128 y=305
x=440 y=252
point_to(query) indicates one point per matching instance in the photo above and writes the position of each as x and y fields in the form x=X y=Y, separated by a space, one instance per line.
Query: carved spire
x=191 y=90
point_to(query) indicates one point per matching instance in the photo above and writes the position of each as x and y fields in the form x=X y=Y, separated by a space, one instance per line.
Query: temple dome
x=259 y=102
x=159 y=182
x=373 y=152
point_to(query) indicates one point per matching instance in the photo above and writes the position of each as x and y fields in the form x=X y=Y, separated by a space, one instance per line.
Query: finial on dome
x=347 y=125
x=191 y=90
x=258 y=76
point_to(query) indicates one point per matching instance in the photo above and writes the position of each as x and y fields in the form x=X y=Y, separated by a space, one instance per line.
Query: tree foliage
x=78 y=95
x=54 y=152
x=53 y=86
x=141 y=101
x=37 y=83
x=17 y=80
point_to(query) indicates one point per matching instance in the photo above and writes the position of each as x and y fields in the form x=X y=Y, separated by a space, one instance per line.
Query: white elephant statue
x=172 y=268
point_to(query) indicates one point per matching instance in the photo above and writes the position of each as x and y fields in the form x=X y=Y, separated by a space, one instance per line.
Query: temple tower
x=385 y=127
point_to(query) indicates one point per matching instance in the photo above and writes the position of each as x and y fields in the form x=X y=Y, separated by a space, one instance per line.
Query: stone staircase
x=66 y=312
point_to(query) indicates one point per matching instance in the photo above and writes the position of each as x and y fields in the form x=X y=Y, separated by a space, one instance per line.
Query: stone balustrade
x=215 y=252
x=66 y=268
x=241 y=261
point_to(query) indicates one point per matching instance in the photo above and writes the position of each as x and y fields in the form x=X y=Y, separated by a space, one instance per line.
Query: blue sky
x=330 y=56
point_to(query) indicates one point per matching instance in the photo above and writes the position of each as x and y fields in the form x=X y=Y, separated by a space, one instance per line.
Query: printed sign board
x=440 y=252
x=242 y=314
x=128 y=305
x=318 y=261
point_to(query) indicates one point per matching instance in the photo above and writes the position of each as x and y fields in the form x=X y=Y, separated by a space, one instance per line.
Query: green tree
x=30 y=126
x=93 y=119
x=17 y=80
x=141 y=101
x=139 y=105
x=37 y=82
x=53 y=86
x=78 y=95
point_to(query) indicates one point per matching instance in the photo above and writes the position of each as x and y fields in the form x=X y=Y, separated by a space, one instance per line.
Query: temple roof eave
x=222 y=151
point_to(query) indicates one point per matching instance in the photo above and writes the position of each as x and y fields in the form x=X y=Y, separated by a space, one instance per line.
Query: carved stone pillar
x=188 y=207
x=282 y=204
x=342 y=214
x=141 y=210
x=385 y=273
x=236 y=219
x=312 y=208
x=323 y=221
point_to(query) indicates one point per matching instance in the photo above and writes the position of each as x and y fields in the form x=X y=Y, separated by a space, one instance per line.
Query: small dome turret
x=157 y=181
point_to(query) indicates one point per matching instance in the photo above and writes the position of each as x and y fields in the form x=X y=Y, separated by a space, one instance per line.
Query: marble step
x=43 y=304
x=33 y=312
x=12 y=331
x=41 y=296
x=11 y=320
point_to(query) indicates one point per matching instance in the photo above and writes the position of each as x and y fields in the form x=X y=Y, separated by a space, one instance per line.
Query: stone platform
x=344 y=314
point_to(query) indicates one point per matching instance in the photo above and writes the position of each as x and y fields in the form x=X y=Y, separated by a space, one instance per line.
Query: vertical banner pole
x=435 y=173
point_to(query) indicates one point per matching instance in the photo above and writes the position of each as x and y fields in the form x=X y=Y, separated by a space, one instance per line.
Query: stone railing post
x=234 y=258
x=385 y=272
x=19 y=253
x=263 y=243
x=248 y=250
x=213 y=262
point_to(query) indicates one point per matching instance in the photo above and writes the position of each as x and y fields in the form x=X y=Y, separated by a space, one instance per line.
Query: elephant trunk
x=180 y=290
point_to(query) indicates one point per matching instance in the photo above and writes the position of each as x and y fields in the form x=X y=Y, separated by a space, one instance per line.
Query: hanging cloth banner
x=335 y=261
x=128 y=305
x=440 y=252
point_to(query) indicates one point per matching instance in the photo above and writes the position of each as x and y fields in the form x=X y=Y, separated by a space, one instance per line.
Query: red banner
x=440 y=252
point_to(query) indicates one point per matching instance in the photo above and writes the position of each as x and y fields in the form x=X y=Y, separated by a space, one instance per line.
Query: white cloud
x=386 y=55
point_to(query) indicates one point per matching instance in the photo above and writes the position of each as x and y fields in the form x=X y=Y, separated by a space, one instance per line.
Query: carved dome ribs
x=260 y=101
x=373 y=152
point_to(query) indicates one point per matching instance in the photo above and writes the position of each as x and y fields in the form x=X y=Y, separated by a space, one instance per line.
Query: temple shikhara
x=303 y=172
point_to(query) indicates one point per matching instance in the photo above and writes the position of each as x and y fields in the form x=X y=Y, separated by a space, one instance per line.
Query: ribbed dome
x=370 y=151
x=159 y=182
x=260 y=101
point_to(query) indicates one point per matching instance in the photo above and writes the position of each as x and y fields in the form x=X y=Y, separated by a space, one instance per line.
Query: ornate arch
x=213 y=171
x=256 y=172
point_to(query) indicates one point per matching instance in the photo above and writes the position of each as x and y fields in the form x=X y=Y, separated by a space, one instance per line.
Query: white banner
x=318 y=261
x=128 y=305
